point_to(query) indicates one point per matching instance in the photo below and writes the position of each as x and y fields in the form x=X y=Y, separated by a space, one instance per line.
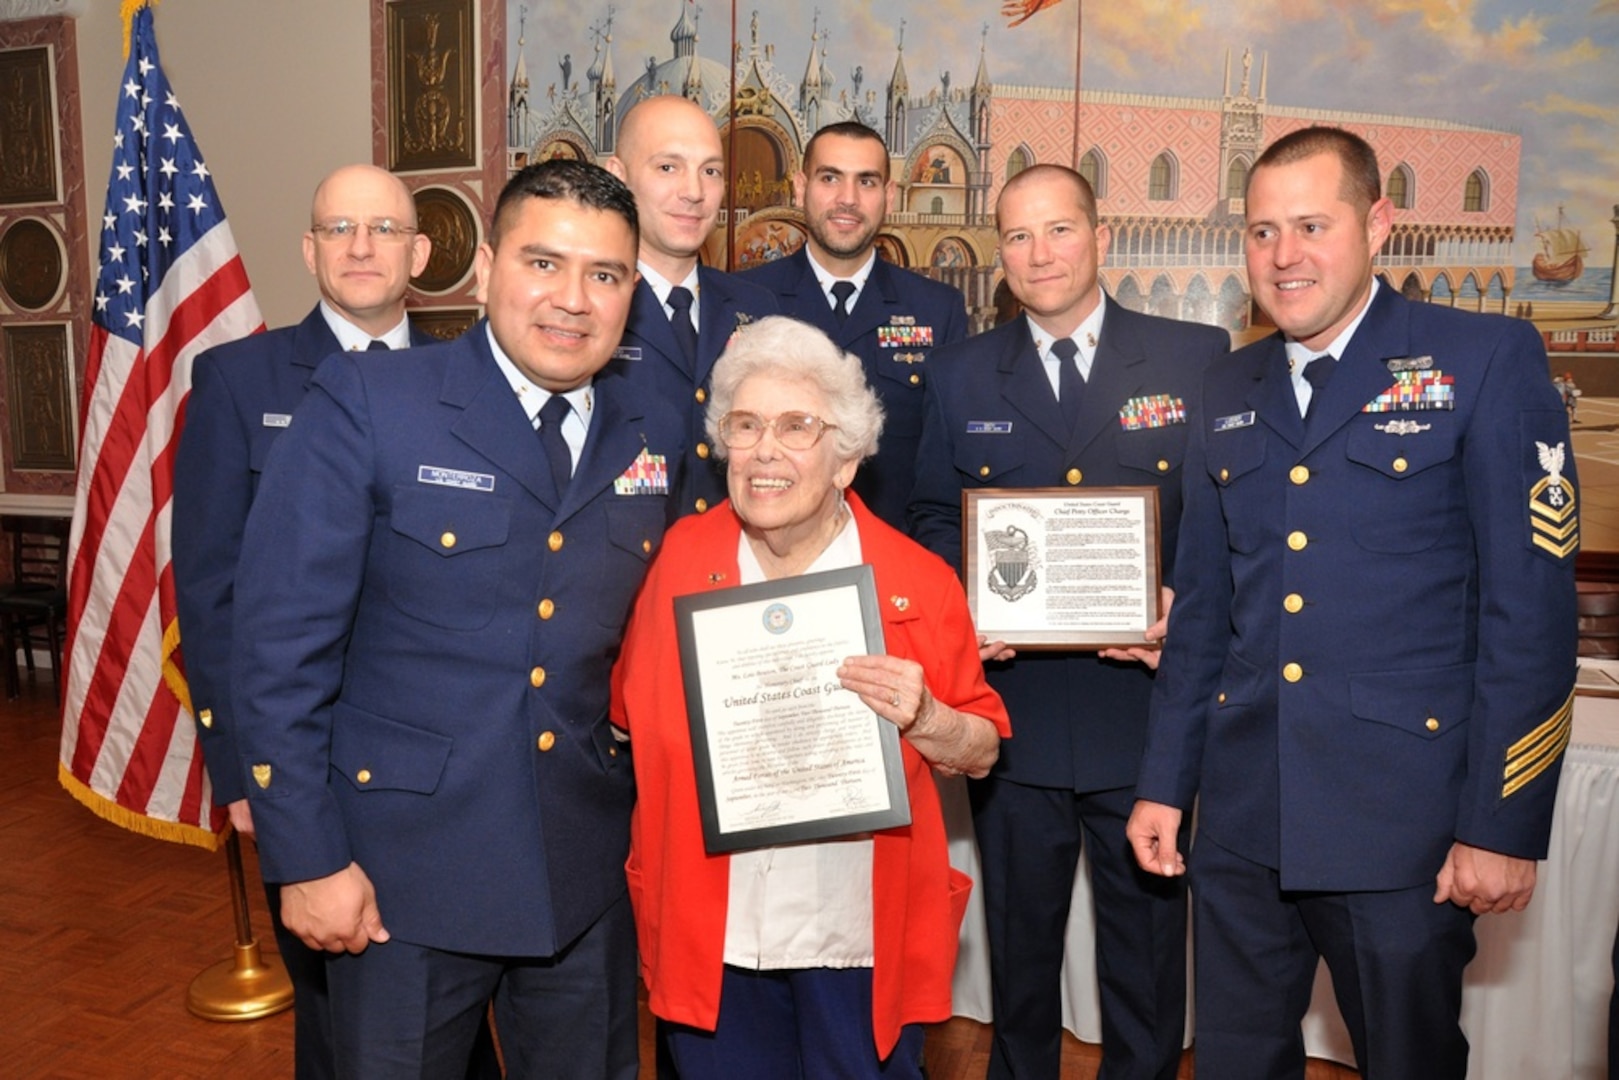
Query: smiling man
x=1080 y=392
x=362 y=248
x=888 y=316
x=1369 y=675
x=683 y=313
x=433 y=585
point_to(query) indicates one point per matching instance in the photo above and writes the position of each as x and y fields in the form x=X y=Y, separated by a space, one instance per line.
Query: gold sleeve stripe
x=1539 y=749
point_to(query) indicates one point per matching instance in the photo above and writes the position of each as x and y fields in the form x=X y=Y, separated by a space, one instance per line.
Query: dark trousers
x=800 y=1024
x=403 y=1010
x=1396 y=960
x=312 y=1053
x=1029 y=841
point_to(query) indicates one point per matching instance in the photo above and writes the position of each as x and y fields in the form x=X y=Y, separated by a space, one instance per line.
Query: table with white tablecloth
x=1536 y=995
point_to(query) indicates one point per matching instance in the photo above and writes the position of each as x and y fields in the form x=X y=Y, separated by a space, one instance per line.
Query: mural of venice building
x=1168 y=171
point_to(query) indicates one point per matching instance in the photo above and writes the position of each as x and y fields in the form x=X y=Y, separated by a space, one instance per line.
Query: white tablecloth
x=1536 y=995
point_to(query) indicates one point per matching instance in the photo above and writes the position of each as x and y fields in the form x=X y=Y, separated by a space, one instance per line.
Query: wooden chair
x=36 y=598
x=1598 y=608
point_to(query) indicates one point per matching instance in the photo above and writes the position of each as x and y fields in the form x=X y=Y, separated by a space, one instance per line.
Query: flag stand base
x=246 y=987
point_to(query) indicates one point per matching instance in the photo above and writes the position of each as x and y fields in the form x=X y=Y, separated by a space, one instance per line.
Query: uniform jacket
x=896 y=323
x=680 y=892
x=651 y=354
x=424 y=639
x=1372 y=650
x=242 y=395
x=993 y=422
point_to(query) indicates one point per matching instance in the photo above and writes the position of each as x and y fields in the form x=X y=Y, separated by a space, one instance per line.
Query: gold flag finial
x=126 y=12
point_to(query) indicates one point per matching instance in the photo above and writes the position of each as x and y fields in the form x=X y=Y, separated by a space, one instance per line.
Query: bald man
x=363 y=248
x=683 y=313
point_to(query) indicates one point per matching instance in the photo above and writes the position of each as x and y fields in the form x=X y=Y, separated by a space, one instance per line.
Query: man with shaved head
x=363 y=247
x=683 y=313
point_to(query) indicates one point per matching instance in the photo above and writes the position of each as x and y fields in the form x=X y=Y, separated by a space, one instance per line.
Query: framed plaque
x=783 y=753
x=1062 y=568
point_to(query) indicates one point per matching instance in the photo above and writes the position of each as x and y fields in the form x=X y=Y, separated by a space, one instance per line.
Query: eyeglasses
x=382 y=230
x=793 y=430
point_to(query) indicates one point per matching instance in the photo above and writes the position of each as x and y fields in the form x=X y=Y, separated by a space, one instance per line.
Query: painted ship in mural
x=1562 y=253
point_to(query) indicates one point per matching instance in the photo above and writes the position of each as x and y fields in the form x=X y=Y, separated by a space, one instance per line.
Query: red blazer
x=680 y=892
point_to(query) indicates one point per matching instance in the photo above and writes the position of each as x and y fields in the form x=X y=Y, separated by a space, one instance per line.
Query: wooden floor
x=102 y=931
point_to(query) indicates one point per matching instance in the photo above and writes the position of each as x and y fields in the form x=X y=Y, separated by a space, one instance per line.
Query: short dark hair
x=1082 y=187
x=581 y=182
x=848 y=129
x=1362 y=183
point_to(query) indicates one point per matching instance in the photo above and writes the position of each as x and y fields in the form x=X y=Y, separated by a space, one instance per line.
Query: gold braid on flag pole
x=126 y=12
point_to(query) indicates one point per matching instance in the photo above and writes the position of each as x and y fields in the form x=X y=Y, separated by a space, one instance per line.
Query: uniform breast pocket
x=1153 y=452
x=899 y=383
x=258 y=451
x=445 y=555
x=1235 y=463
x=991 y=459
x=634 y=529
x=1412 y=500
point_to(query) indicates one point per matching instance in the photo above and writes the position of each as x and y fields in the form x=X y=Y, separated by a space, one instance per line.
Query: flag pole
x=1079 y=37
x=248 y=986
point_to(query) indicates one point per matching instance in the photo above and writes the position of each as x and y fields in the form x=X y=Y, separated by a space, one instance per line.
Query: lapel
x=312 y=342
x=1024 y=384
x=1362 y=372
x=616 y=436
x=806 y=302
x=1116 y=376
x=1272 y=397
x=419 y=337
x=718 y=320
x=491 y=421
x=648 y=329
x=878 y=303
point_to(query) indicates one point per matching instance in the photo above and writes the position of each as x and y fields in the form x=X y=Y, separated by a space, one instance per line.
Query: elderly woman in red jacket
x=820 y=958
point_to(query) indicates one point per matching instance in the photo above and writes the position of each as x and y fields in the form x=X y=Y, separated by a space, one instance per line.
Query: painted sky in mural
x=1549 y=71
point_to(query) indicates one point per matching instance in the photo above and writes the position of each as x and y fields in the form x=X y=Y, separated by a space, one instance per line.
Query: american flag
x=170 y=285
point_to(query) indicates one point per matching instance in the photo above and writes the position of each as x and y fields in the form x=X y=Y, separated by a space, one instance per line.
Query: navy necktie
x=1316 y=373
x=841 y=291
x=1070 y=387
x=557 y=454
x=377 y=345
x=685 y=330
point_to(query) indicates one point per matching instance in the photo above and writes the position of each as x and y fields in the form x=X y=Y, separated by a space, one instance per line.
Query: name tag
x=1234 y=421
x=470 y=481
x=627 y=352
x=277 y=419
x=989 y=427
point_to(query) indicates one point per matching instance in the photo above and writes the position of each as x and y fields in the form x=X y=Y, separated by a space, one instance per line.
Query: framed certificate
x=783 y=753
x=1062 y=568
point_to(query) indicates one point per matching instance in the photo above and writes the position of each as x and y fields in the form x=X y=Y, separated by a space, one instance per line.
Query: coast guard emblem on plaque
x=1554 y=525
x=1012 y=563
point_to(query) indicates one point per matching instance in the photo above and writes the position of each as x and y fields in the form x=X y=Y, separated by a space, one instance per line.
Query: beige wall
x=277 y=94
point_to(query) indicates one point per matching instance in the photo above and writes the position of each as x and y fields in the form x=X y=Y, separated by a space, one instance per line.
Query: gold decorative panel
x=449 y=222
x=432 y=101
x=27 y=130
x=39 y=399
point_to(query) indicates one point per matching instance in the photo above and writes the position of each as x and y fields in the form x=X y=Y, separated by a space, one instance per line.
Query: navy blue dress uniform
x=243 y=395
x=654 y=356
x=1065 y=778
x=898 y=319
x=424 y=635
x=1371 y=655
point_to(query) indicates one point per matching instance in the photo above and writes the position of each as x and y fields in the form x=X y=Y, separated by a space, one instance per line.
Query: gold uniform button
x=1292 y=673
x=916 y=380
x=536 y=677
x=1225 y=474
x=646 y=546
x=447 y=540
x=1299 y=474
x=554 y=541
x=983 y=470
x=702 y=450
x=1293 y=602
x=612 y=751
x=547 y=609
x=702 y=506
x=702 y=395
x=1221 y=698
x=545 y=741
x=1433 y=724
x=206 y=718
x=363 y=776
x=1400 y=464
x=1074 y=476
x=1297 y=541
x=1163 y=466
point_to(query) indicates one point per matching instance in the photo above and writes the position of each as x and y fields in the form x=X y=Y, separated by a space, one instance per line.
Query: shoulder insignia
x=1539 y=750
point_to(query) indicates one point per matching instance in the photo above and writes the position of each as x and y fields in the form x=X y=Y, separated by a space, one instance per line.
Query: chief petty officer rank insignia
x=1554 y=521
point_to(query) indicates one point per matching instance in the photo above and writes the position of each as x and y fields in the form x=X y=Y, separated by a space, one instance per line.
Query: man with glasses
x=363 y=248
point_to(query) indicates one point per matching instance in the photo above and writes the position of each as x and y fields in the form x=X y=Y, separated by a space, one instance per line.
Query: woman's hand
x=952 y=741
x=893 y=688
